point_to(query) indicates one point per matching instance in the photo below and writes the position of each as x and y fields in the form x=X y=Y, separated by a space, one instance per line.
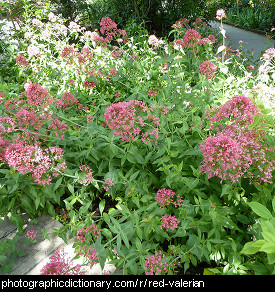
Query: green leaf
x=17 y=220
x=125 y=239
x=45 y=234
x=134 y=175
x=27 y=204
x=57 y=184
x=260 y=210
x=101 y=206
x=71 y=188
x=253 y=246
x=269 y=237
x=2 y=257
x=268 y=247
x=273 y=204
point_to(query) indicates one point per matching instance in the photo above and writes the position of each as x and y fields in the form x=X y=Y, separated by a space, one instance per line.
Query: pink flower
x=22 y=61
x=239 y=109
x=154 y=41
x=165 y=197
x=89 y=118
x=236 y=150
x=220 y=14
x=169 y=222
x=31 y=234
x=90 y=254
x=192 y=36
x=88 y=84
x=59 y=127
x=89 y=230
x=109 y=28
x=60 y=264
x=37 y=95
x=68 y=53
x=27 y=119
x=208 y=69
x=33 y=159
x=250 y=68
x=152 y=92
x=68 y=99
x=88 y=175
x=158 y=264
x=107 y=184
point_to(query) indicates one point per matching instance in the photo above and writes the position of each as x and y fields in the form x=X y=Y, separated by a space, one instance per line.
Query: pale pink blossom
x=220 y=14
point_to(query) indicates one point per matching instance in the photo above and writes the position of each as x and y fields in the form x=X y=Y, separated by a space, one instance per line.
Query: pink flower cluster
x=239 y=110
x=90 y=254
x=220 y=14
x=68 y=53
x=183 y=23
x=152 y=92
x=88 y=175
x=85 y=235
x=208 y=69
x=154 y=41
x=58 y=126
x=127 y=119
x=169 y=222
x=107 y=184
x=27 y=119
x=31 y=234
x=38 y=96
x=157 y=264
x=68 y=99
x=109 y=30
x=92 y=230
x=27 y=158
x=165 y=197
x=22 y=61
x=61 y=264
x=236 y=150
x=192 y=38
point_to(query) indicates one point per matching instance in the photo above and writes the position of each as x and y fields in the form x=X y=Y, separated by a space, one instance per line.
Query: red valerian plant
x=158 y=264
x=169 y=222
x=165 y=197
x=208 y=69
x=236 y=151
x=61 y=264
x=127 y=119
x=44 y=164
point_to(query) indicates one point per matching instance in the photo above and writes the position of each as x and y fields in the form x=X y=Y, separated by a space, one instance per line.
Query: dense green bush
x=152 y=149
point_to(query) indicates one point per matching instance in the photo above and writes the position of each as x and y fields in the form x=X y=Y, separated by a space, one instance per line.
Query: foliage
x=264 y=239
x=108 y=127
x=257 y=14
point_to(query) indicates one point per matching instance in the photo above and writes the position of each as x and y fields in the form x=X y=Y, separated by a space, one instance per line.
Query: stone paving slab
x=37 y=254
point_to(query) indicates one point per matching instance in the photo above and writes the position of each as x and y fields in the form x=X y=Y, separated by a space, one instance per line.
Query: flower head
x=208 y=69
x=61 y=264
x=158 y=264
x=169 y=222
x=220 y=14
